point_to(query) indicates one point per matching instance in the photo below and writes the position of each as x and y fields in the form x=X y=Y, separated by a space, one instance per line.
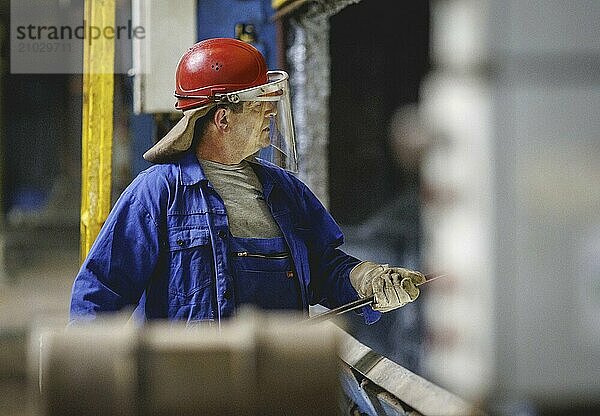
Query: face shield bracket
x=272 y=91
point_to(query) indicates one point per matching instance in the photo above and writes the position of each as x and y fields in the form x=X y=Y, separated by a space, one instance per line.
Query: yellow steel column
x=97 y=125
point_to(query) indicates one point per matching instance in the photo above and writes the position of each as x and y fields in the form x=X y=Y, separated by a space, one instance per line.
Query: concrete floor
x=39 y=289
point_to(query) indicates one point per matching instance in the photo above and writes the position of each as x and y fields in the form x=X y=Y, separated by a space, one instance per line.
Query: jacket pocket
x=188 y=238
x=190 y=266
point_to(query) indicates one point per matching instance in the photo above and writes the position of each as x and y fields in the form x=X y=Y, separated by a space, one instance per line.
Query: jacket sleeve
x=329 y=265
x=120 y=262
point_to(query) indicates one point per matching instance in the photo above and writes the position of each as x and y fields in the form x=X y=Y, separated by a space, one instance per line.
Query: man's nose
x=270 y=109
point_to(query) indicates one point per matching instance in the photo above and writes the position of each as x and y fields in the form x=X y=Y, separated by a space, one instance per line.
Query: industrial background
x=450 y=136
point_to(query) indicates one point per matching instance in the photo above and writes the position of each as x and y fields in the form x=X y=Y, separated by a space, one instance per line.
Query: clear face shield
x=282 y=149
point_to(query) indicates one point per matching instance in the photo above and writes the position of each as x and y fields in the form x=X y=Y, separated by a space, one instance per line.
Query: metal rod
x=355 y=305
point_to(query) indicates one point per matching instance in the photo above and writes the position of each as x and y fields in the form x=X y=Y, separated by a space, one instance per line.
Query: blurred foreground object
x=511 y=202
x=261 y=364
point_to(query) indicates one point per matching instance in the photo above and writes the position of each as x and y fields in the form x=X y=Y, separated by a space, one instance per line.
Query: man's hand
x=392 y=287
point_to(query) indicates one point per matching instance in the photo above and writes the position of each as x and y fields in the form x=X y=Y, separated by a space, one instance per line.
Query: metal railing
x=379 y=386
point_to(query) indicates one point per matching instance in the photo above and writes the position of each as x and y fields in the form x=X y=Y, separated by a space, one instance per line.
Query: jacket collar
x=191 y=173
x=190 y=170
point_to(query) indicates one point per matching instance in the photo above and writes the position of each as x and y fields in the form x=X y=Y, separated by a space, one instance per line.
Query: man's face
x=250 y=129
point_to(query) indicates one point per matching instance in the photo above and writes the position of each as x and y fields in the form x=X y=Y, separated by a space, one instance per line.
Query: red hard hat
x=216 y=66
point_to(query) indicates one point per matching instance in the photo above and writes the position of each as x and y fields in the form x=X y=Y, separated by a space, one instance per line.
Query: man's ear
x=221 y=119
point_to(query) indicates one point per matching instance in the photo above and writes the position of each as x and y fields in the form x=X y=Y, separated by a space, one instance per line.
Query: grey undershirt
x=241 y=191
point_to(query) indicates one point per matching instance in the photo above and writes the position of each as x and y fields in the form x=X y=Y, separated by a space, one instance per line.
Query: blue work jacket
x=165 y=246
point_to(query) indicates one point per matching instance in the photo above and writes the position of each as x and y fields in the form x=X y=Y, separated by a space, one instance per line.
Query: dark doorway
x=379 y=55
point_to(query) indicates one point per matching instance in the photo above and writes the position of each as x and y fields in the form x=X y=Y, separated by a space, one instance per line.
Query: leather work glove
x=392 y=287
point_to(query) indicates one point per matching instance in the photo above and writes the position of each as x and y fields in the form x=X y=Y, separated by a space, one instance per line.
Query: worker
x=220 y=220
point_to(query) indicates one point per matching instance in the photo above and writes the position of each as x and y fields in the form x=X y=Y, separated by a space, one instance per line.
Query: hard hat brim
x=179 y=139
